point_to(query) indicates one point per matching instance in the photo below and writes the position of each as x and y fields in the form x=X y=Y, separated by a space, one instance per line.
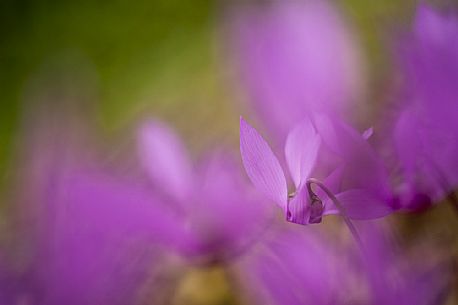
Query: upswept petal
x=361 y=204
x=333 y=183
x=364 y=168
x=326 y=130
x=368 y=133
x=299 y=208
x=165 y=159
x=261 y=165
x=301 y=151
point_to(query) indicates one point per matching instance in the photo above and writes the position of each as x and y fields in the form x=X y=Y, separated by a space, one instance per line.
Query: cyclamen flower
x=211 y=202
x=89 y=243
x=85 y=230
x=426 y=131
x=354 y=173
x=288 y=62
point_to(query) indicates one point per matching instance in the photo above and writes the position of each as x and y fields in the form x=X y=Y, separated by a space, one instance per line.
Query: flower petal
x=165 y=159
x=301 y=151
x=287 y=59
x=299 y=208
x=102 y=234
x=326 y=130
x=333 y=183
x=360 y=204
x=433 y=28
x=368 y=133
x=261 y=165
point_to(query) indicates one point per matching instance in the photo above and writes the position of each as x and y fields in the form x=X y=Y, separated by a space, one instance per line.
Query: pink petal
x=299 y=208
x=364 y=169
x=288 y=61
x=434 y=28
x=360 y=204
x=368 y=133
x=261 y=165
x=165 y=159
x=326 y=130
x=333 y=183
x=301 y=151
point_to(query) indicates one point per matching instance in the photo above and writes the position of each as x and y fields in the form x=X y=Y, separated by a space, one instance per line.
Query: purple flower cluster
x=319 y=144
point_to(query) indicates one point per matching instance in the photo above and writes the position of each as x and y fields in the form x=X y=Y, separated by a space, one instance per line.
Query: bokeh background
x=121 y=61
x=168 y=58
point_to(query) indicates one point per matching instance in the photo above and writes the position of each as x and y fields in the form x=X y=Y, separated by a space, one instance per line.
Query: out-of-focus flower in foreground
x=322 y=146
x=294 y=266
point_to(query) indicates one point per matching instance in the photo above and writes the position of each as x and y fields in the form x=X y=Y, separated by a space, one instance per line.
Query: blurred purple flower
x=426 y=131
x=292 y=267
x=90 y=245
x=94 y=249
x=95 y=237
x=221 y=214
x=289 y=63
x=84 y=232
x=398 y=276
x=307 y=267
x=327 y=148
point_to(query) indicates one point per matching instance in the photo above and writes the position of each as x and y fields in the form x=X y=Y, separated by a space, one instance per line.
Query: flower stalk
x=317 y=204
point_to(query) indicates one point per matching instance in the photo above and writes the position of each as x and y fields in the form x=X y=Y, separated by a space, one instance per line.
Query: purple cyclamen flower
x=426 y=131
x=90 y=245
x=84 y=231
x=210 y=200
x=95 y=249
x=328 y=148
x=289 y=64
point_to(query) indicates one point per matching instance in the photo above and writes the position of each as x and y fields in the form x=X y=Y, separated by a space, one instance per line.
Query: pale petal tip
x=243 y=123
x=368 y=133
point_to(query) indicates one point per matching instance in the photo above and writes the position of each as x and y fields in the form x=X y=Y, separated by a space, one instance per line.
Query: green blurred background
x=166 y=58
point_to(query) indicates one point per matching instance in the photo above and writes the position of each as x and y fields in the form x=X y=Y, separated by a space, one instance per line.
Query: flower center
x=316 y=206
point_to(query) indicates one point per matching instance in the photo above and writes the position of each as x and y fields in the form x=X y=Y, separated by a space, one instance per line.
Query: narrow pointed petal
x=326 y=130
x=299 y=208
x=165 y=159
x=360 y=204
x=301 y=151
x=368 y=133
x=261 y=165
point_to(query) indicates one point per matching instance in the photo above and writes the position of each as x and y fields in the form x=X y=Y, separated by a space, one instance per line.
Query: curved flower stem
x=339 y=206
